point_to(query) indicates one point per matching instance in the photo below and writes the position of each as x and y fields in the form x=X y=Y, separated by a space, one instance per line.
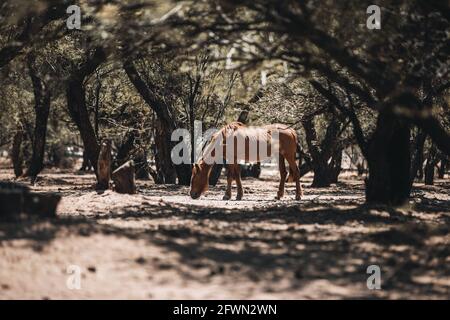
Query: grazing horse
x=236 y=142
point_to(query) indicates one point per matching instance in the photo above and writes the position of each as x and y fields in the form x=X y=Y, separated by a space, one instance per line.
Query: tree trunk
x=40 y=132
x=78 y=111
x=141 y=165
x=184 y=172
x=164 y=166
x=166 y=171
x=320 y=154
x=215 y=174
x=322 y=176
x=430 y=165
x=429 y=174
x=125 y=148
x=420 y=173
x=41 y=109
x=360 y=168
x=389 y=161
x=243 y=115
x=417 y=159
x=16 y=154
x=86 y=164
x=443 y=166
x=336 y=165
x=76 y=103
x=128 y=150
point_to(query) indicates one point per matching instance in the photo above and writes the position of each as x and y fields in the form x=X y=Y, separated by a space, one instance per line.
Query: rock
x=141 y=260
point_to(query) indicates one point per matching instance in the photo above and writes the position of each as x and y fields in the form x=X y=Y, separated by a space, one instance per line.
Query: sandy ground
x=160 y=244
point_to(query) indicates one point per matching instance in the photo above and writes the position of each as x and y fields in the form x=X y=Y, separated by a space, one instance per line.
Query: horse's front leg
x=240 y=190
x=227 y=195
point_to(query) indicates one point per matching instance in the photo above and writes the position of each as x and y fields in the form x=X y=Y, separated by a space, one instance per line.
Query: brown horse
x=250 y=144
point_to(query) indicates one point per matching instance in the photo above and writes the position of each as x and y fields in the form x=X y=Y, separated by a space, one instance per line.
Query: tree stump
x=104 y=166
x=123 y=178
x=17 y=200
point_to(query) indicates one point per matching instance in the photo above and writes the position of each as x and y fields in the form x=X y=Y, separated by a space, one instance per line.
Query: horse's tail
x=290 y=178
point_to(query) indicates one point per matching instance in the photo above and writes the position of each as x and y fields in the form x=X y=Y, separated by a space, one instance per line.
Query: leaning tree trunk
x=41 y=109
x=166 y=171
x=78 y=110
x=389 y=160
x=76 y=103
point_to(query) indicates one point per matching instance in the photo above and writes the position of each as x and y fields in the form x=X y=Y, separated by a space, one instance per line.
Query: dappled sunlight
x=175 y=247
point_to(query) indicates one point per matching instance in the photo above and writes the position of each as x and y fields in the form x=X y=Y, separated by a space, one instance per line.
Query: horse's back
x=253 y=143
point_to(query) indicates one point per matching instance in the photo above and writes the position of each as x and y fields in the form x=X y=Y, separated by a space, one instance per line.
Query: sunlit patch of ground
x=162 y=244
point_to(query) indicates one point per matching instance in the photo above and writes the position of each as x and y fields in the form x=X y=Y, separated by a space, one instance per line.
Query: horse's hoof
x=226 y=197
x=277 y=197
x=298 y=197
x=238 y=197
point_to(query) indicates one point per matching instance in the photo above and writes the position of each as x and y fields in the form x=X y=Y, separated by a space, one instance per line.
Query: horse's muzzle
x=195 y=195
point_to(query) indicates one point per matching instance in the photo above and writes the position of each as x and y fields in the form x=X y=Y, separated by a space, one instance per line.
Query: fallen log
x=124 y=179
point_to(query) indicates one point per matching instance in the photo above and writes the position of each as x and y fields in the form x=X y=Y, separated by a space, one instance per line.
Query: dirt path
x=161 y=244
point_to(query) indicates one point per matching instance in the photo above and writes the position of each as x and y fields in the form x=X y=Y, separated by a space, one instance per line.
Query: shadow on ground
x=298 y=243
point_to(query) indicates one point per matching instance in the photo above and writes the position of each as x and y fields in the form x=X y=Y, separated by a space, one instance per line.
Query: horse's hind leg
x=296 y=175
x=230 y=175
x=237 y=175
x=283 y=174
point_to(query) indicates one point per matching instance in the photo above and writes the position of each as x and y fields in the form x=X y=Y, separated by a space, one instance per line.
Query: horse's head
x=199 y=179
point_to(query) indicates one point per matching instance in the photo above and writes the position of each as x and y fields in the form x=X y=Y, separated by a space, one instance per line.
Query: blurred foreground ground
x=160 y=244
